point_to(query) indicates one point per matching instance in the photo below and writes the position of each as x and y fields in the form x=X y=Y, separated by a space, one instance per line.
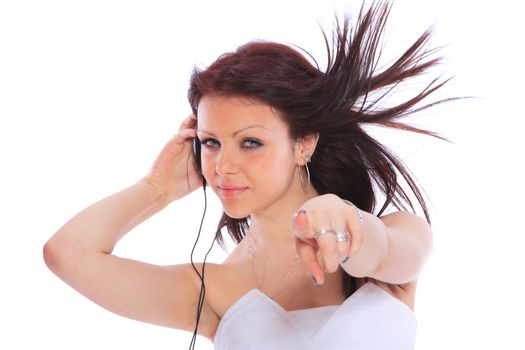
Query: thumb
x=300 y=224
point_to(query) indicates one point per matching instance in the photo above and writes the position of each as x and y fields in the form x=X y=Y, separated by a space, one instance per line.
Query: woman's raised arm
x=80 y=252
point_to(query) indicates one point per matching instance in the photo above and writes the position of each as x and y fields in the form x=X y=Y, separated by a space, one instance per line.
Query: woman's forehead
x=238 y=112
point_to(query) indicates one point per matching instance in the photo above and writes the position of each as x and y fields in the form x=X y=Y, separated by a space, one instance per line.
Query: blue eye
x=251 y=143
x=210 y=143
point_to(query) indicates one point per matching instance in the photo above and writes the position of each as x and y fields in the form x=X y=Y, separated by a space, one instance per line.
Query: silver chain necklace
x=254 y=270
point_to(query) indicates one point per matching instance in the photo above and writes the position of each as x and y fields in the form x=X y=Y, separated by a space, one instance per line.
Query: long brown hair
x=336 y=103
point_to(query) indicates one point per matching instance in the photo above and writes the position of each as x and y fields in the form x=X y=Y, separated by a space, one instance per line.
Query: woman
x=282 y=144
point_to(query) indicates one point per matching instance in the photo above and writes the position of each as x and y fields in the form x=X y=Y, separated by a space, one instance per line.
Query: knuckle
x=315 y=216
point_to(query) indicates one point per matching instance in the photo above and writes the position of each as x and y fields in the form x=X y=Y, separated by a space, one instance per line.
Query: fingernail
x=315 y=282
x=297 y=213
x=345 y=260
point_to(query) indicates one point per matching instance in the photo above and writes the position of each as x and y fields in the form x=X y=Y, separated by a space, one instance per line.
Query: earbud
x=197 y=154
x=197 y=159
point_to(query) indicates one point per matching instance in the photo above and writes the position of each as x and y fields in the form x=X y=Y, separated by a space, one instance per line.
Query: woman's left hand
x=328 y=231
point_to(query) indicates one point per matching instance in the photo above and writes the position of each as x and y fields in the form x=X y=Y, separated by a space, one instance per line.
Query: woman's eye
x=251 y=143
x=210 y=143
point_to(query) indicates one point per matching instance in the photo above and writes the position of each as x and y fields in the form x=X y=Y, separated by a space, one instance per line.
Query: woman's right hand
x=174 y=173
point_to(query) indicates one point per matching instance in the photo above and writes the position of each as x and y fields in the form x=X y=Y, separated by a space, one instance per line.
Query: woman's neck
x=274 y=225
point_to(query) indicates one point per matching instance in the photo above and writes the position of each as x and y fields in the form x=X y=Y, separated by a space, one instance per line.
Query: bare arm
x=394 y=248
x=80 y=254
x=80 y=251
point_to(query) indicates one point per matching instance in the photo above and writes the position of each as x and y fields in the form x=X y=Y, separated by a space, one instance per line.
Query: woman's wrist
x=156 y=193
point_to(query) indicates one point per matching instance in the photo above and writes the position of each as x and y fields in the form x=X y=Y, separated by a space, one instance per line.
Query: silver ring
x=322 y=232
x=341 y=235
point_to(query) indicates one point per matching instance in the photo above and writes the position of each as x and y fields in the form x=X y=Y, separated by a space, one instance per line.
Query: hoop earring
x=307 y=159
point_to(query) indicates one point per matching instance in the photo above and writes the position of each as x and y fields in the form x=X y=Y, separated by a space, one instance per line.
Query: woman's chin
x=235 y=214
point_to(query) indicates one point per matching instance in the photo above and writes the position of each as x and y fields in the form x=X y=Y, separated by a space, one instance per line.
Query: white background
x=91 y=90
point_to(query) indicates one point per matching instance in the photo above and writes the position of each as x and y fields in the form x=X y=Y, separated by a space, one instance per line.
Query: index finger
x=307 y=248
x=189 y=122
x=307 y=255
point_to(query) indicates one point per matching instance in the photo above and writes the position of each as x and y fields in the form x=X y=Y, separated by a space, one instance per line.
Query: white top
x=370 y=319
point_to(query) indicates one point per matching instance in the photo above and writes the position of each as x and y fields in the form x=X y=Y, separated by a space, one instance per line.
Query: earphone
x=197 y=154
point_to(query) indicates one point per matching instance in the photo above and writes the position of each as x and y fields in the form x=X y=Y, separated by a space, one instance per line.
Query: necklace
x=254 y=270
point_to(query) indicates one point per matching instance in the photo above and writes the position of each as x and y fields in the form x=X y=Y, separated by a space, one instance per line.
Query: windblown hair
x=336 y=103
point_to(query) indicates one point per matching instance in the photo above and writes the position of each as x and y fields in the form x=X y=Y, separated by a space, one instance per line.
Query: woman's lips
x=227 y=191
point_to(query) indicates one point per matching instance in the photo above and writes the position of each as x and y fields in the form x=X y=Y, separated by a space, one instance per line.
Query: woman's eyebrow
x=236 y=132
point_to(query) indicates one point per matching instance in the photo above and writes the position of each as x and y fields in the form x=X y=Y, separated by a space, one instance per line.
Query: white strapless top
x=370 y=319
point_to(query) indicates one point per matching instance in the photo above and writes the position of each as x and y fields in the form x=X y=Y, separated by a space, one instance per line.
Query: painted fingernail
x=345 y=260
x=297 y=213
x=315 y=282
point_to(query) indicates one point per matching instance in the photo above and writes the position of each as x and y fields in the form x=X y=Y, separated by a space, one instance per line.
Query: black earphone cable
x=202 y=293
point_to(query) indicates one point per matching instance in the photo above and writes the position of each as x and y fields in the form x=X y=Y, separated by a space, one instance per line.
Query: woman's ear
x=305 y=147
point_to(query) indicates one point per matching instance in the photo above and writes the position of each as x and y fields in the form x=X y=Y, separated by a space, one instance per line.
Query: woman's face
x=247 y=155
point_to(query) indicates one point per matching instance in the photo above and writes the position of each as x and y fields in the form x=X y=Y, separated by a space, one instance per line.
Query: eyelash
x=254 y=143
x=204 y=143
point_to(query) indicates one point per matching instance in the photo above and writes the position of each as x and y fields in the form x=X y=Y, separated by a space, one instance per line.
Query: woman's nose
x=226 y=162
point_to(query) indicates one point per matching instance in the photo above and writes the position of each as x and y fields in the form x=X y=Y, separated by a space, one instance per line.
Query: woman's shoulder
x=226 y=282
x=222 y=282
